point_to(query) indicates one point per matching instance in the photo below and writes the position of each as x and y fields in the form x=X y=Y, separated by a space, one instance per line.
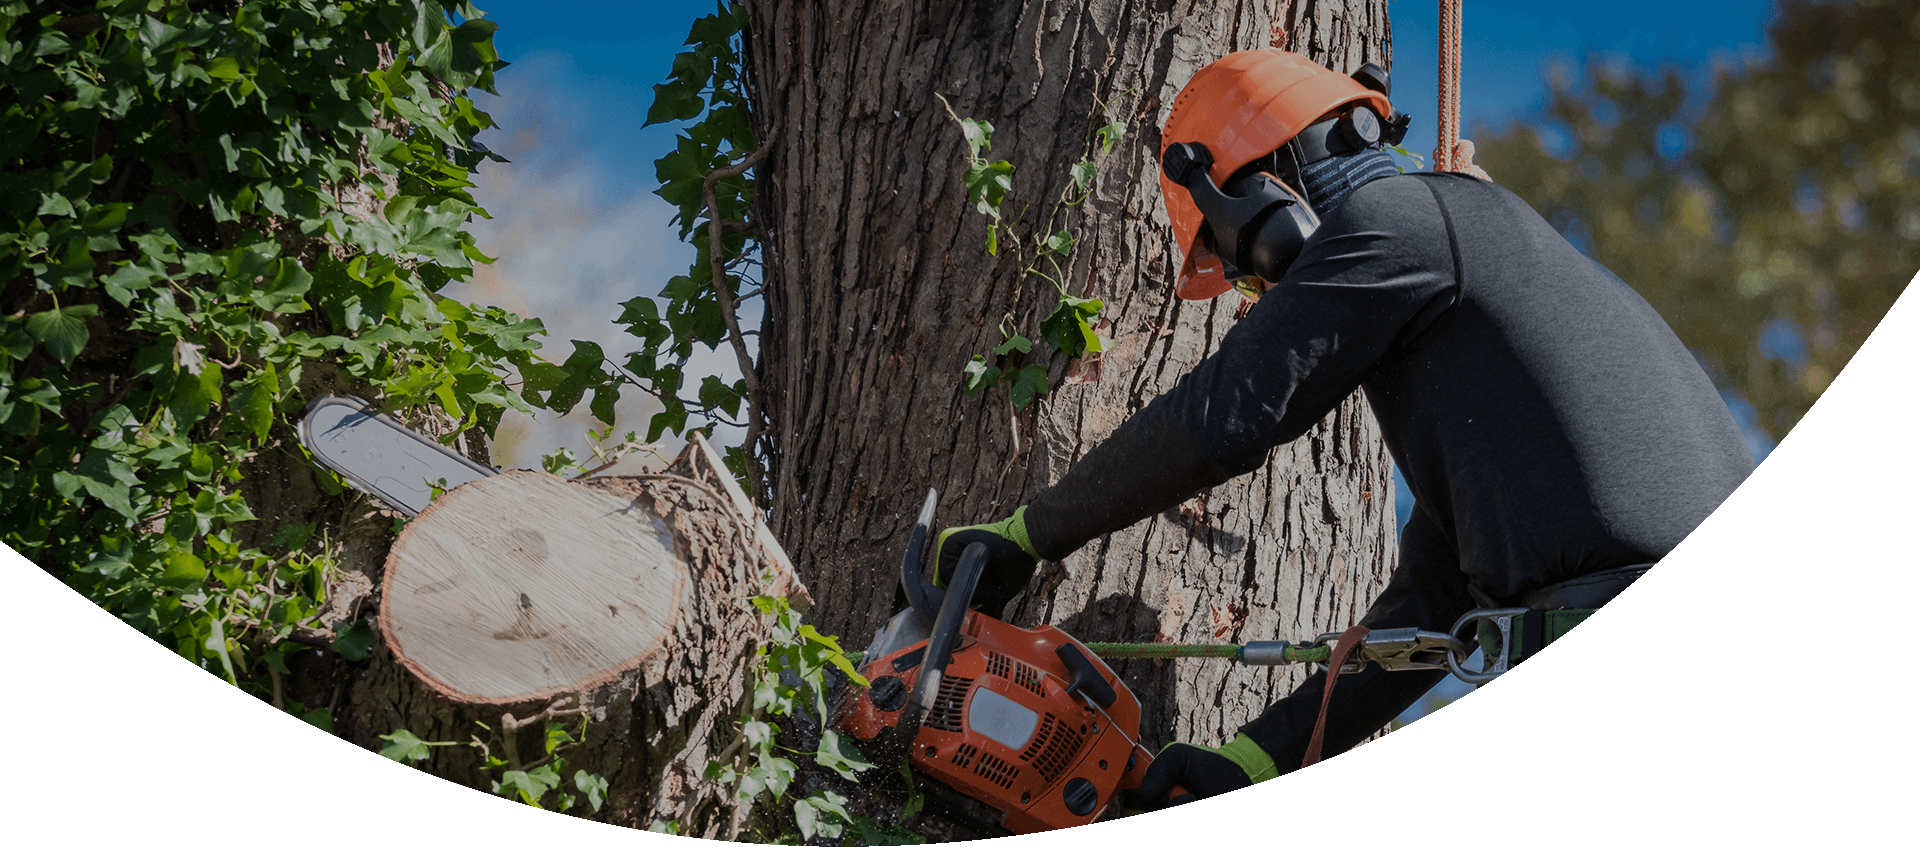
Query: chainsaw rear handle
x=946 y=633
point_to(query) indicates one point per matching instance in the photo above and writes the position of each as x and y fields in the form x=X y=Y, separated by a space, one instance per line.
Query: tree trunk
x=522 y=597
x=879 y=291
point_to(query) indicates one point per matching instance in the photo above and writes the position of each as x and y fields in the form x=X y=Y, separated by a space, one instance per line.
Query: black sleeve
x=1427 y=590
x=1380 y=268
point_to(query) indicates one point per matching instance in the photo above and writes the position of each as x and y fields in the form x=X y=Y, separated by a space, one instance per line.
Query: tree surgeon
x=1557 y=437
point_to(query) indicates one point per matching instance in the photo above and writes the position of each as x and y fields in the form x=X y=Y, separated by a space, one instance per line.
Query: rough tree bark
x=878 y=291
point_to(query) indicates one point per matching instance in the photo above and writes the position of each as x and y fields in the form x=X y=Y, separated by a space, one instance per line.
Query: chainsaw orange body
x=1018 y=723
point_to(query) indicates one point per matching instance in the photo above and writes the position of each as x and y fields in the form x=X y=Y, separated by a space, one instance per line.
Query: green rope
x=1293 y=654
x=1123 y=650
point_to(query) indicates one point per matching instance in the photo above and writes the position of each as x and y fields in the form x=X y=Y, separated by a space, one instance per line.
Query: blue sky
x=579 y=231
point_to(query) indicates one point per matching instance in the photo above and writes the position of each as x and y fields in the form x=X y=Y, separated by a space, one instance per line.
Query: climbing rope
x=1452 y=153
x=1292 y=653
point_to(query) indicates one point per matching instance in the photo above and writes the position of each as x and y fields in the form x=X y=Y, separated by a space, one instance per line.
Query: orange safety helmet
x=1242 y=107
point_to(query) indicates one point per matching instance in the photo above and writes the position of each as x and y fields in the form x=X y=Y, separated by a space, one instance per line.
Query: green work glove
x=1204 y=771
x=1010 y=559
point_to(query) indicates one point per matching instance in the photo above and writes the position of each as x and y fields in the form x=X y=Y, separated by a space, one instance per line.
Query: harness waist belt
x=1585 y=592
x=1555 y=610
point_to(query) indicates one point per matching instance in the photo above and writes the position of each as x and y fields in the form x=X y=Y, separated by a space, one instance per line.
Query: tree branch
x=716 y=254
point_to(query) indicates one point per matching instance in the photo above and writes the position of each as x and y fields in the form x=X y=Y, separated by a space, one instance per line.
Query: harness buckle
x=1493 y=662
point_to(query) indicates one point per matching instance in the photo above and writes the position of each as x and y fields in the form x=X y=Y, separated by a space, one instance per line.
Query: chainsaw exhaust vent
x=1022 y=674
x=1053 y=748
x=945 y=714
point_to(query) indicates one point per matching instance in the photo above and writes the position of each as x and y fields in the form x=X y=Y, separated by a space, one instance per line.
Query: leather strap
x=1348 y=641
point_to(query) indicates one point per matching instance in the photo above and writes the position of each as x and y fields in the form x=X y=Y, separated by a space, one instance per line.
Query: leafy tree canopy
x=1770 y=219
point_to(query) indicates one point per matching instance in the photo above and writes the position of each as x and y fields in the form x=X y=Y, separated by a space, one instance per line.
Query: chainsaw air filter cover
x=1026 y=721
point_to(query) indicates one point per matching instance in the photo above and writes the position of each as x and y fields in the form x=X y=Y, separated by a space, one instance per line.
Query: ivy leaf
x=1083 y=174
x=1070 y=328
x=1060 y=242
x=107 y=476
x=758 y=733
x=1017 y=342
x=1029 y=382
x=157 y=33
x=1109 y=135
x=807 y=816
x=978 y=374
x=63 y=331
x=674 y=101
x=556 y=737
x=979 y=135
x=182 y=564
x=293 y=536
x=824 y=814
x=123 y=283
x=778 y=773
x=353 y=641
x=594 y=786
x=223 y=67
x=255 y=399
x=987 y=186
x=840 y=757
x=404 y=746
x=286 y=290
x=530 y=786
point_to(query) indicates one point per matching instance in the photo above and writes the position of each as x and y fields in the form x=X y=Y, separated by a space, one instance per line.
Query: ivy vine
x=707 y=179
x=1071 y=327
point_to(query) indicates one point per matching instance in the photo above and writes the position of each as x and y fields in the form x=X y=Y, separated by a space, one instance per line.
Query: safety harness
x=1505 y=634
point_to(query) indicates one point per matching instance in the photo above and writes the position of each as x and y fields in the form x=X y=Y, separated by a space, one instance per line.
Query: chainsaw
x=1027 y=721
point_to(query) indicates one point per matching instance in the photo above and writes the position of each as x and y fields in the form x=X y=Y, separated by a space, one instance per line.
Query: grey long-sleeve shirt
x=1548 y=421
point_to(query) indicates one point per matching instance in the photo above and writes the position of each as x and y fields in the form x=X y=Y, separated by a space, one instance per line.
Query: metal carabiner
x=1401 y=649
x=1411 y=648
x=1493 y=664
x=1354 y=663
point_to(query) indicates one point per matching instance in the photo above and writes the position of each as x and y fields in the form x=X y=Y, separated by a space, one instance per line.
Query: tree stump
x=625 y=598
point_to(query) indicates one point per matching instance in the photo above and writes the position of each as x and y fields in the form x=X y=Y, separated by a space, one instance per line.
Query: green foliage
x=791 y=681
x=708 y=84
x=542 y=784
x=188 y=237
x=1072 y=327
x=405 y=747
x=1776 y=206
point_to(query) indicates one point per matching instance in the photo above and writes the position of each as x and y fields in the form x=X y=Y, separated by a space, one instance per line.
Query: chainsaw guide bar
x=382 y=457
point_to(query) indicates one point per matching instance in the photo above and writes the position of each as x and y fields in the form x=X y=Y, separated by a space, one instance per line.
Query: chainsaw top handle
x=924 y=598
x=946 y=635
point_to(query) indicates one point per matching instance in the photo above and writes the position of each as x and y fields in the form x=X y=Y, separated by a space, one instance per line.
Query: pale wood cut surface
x=524 y=585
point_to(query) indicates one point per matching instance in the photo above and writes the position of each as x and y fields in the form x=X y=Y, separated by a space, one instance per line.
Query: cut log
x=523 y=585
x=626 y=598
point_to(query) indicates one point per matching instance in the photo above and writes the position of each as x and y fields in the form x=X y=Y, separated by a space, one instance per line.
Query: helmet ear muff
x=1258 y=223
x=1281 y=235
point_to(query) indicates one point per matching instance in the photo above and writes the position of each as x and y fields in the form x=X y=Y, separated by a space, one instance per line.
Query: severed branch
x=565 y=704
